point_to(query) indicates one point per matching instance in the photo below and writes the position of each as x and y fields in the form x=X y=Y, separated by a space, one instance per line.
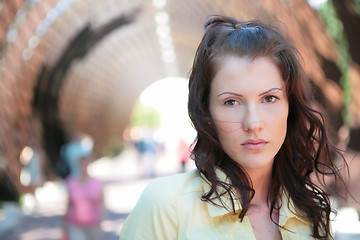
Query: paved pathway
x=124 y=184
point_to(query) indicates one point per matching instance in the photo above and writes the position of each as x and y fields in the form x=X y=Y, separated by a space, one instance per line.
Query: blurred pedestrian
x=184 y=154
x=147 y=149
x=85 y=206
x=32 y=169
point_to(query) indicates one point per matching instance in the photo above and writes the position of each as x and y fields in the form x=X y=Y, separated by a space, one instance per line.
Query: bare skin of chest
x=263 y=227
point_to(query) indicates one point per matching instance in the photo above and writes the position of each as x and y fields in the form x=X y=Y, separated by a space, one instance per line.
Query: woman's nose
x=253 y=121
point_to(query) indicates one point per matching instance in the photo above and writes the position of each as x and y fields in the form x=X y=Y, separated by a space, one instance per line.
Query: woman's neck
x=261 y=181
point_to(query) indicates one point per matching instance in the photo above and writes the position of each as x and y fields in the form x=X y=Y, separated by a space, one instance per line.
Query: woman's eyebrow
x=276 y=89
x=232 y=93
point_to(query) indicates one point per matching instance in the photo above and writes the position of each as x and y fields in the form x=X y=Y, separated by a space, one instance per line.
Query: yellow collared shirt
x=171 y=208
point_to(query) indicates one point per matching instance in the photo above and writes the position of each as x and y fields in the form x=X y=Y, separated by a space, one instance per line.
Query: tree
x=348 y=12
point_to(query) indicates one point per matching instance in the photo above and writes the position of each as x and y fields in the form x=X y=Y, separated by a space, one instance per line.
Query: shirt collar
x=225 y=205
x=287 y=210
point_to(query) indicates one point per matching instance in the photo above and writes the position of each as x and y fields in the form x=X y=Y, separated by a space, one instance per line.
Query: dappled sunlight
x=169 y=97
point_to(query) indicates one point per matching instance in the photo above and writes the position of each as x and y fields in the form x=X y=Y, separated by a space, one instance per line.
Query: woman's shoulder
x=167 y=188
x=156 y=214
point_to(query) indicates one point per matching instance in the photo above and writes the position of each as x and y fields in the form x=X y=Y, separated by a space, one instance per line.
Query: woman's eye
x=270 y=99
x=230 y=102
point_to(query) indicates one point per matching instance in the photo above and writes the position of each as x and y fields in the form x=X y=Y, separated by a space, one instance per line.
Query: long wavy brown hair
x=306 y=148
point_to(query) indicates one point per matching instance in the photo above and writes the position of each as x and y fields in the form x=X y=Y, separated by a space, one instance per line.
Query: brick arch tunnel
x=79 y=66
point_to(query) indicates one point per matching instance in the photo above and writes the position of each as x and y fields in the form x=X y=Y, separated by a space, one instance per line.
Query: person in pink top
x=85 y=203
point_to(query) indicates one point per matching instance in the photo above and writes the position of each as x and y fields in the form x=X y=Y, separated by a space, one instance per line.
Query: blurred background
x=116 y=70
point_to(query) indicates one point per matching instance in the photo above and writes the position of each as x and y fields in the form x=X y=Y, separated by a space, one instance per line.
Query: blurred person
x=184 y=154
x=85 y=206
x=146 y=147
x=10 y=210
x=80 y=145
x=10 y=218
x=258 y=143
x=31 y=175
x=32 y=170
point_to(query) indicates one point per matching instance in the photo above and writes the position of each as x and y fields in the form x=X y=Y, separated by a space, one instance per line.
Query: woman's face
x=249 y=107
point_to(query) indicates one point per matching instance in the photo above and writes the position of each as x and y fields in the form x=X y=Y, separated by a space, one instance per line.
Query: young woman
x=258 y=142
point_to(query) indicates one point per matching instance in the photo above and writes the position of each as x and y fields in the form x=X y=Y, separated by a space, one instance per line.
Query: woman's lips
x=256 y=144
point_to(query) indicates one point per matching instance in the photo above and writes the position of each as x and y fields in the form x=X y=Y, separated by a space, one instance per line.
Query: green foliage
x=336 y=31
x=357 y=6
x=144 y=115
